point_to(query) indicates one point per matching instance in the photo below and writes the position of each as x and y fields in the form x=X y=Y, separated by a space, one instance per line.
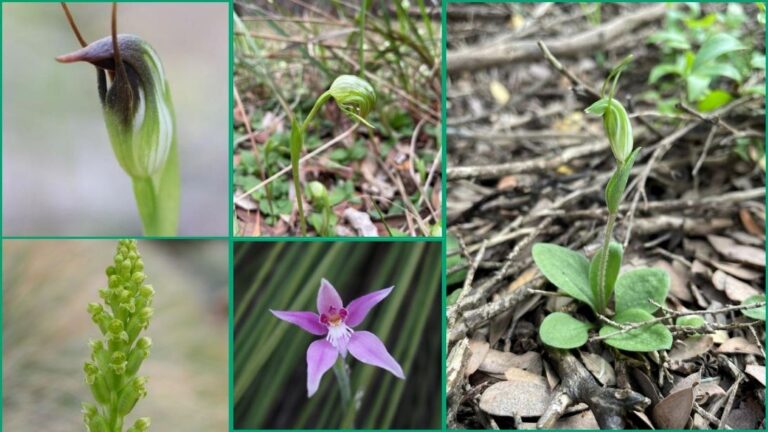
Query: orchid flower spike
x=335 y=322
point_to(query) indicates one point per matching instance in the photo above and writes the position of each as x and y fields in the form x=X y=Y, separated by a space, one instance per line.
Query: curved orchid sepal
x=336 y=322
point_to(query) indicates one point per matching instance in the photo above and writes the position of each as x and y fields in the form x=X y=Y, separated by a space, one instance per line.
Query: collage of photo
x=371 y=215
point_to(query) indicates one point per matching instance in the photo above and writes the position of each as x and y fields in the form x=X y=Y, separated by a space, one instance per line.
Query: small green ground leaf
x=455 y=258
x=690 y=321
x=644 y=339
x=714 y=100
x=716 y=46
x=566 y=269
x=561 y=330
x=453 y=297
x=756 y=313
x=615 y=253
x=635 y=287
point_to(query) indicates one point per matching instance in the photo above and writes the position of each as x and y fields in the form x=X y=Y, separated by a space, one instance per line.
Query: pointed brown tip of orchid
x=96 y=52
x=75 y=56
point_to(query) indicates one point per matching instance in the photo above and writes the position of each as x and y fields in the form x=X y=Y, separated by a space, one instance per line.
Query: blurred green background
x=270 y=389
x=60 y=176
x=46 y=288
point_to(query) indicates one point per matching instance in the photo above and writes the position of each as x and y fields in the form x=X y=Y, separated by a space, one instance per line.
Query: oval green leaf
x=635 y=287
x=643 y=339
x=690 y=321
x=560 y=330
x=714 y=47
x=756 y=313
x=566 y=269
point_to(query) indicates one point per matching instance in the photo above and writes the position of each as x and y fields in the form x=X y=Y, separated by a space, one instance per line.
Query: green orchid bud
x=128 y=306
x=354 y=95
x=99 y=316
x=617 y=126
x=318 y=194
x=133 y=391
x=89 y=411
x=125 y=268
x=146 y=314
x=146 y=292
x=137 y=106
x=138 y=354
x=138 y=277
x=93 y=420
x=119 y=363
x=99 y=389
x=141 y=425
x=99 y=354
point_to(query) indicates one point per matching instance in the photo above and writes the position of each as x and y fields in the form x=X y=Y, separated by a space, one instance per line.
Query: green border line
x=444 y=232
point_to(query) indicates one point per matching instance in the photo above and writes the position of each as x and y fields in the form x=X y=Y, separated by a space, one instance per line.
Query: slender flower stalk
x=112 y=372
x=355 y=97
x=336 y=323
x=139 y=115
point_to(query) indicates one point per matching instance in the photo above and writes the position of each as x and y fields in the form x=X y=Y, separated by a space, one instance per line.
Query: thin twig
x=671 y=315
x=705 y=150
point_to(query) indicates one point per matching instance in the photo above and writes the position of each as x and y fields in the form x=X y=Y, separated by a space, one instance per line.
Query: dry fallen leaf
x=757 y=372
x=517 y=374
x=647 y=386
x=679 y=279
x=674 y=410
x=749 y=223
x=497 y=362
x=733 y=251
x=361 y=221
x=525 y=398
x=600 y=368
x=479 y=350
x=735 y=289
x=739 y=345
x=691 y=347
x=737 y=270
x=583 y=420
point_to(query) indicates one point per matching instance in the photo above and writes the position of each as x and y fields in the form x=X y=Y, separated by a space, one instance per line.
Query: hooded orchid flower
x=336 y=322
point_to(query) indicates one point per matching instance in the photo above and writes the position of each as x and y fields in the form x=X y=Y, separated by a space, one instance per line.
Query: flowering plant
x=336 y=323
x=112 y=372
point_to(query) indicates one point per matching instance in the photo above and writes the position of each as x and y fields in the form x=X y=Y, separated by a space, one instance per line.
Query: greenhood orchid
x=336 y=323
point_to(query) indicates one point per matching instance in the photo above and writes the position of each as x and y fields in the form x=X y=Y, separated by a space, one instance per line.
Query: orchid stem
x=604 y=262
x=342 y=376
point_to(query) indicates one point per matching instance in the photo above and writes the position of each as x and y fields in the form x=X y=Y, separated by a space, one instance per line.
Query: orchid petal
x=358 y=308
x=368 y=348
x=308 y=321
x=321 y=356
x=328 y=298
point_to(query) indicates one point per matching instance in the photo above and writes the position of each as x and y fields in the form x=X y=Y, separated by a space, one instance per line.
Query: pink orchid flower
x=335 y=322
